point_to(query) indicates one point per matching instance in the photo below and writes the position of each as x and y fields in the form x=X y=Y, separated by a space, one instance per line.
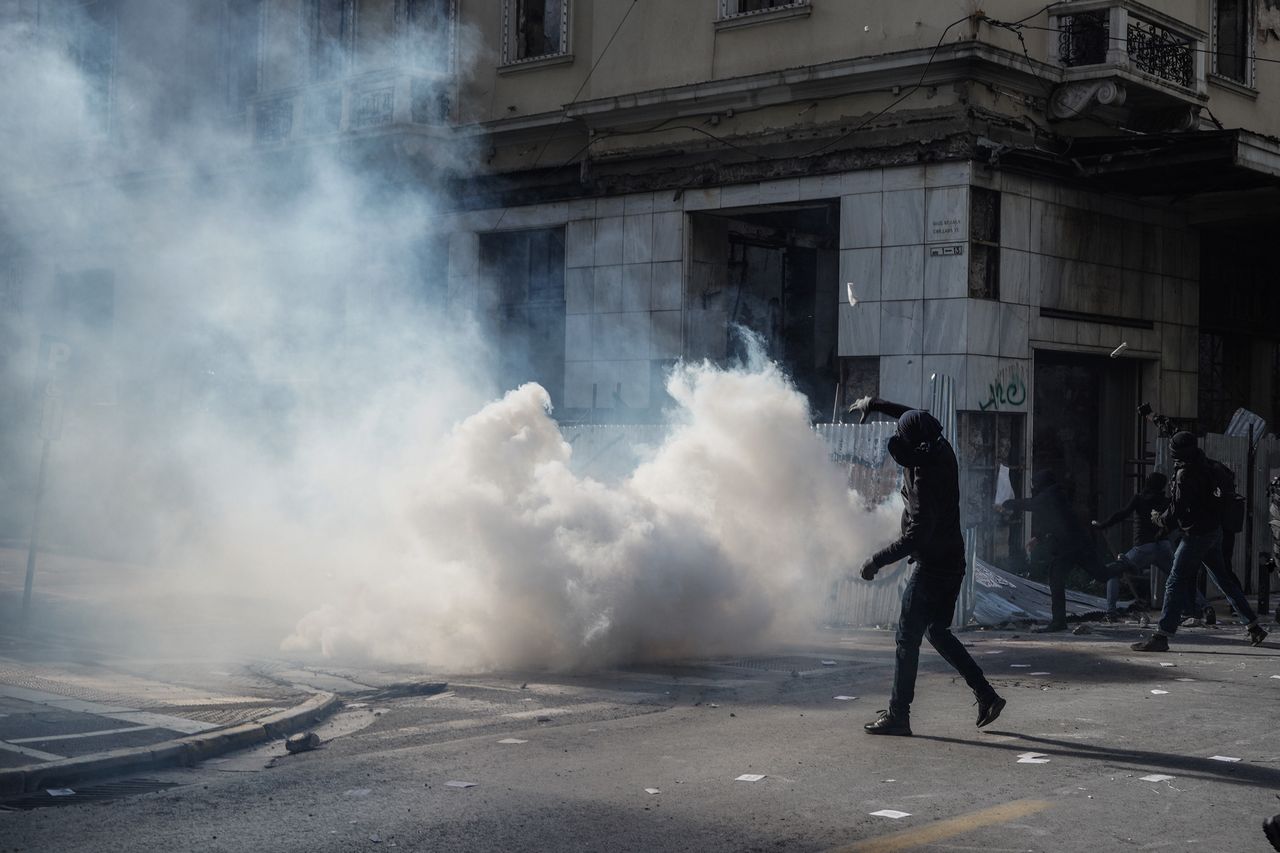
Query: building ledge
x=742 y=20
x=534 y=64
x=1233 y=86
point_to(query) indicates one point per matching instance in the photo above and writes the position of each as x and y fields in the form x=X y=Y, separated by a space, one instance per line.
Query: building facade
x=1064 y=208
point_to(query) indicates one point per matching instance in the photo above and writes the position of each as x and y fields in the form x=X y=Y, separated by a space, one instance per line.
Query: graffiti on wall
x=1006 y=390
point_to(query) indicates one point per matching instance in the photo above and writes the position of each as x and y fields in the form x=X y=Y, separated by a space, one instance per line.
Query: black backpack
x=1232 y=507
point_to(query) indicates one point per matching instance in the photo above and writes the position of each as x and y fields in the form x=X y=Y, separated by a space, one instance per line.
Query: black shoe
x=1256 y=634
x=1271 y=829
x=989 y=708
x=1051 y=628
x=1154 y=643
x=1210 y=617
x=889 y=724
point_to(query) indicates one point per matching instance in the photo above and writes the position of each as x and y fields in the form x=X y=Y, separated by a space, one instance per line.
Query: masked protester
x=1065 y=541
x=1151 y=545
x=1196 y=509
x=932 y=540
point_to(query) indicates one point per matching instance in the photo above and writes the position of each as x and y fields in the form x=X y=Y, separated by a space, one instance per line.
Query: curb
x=180 y=752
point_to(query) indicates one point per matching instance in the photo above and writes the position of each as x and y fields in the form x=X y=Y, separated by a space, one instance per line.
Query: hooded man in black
x=1151 y=546
x=931 y=538
x=1066 y=539
x=1195 y=507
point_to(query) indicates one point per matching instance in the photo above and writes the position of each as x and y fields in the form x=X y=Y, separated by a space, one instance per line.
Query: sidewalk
x=89 y=714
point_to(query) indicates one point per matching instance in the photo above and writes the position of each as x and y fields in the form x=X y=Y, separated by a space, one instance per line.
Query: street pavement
x=1100 y=748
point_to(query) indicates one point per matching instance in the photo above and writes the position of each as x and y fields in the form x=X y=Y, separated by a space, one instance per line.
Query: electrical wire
x=919 y=85
x=565 y=114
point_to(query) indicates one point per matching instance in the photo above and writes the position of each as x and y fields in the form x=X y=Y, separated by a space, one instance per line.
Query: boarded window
x=1231 y=56
x=242 y=51
x=332 y=27
x=527 y=270
x=984 y=241
x=987 y=441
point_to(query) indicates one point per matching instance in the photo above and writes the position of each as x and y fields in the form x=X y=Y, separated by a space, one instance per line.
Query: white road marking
x=30 y=753
x=98 y=733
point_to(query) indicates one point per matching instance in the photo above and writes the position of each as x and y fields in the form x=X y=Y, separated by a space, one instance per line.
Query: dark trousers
x=1194 y=549
x=1061 y=563
x=927 y=607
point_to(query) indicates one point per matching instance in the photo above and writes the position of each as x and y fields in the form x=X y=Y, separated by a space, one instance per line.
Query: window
x=89 y=29
x=527 y=268
x=987 y=441
x=241 y=51
x=984 y=241
x=332 y=37
x=730 y=9
x=1232 y=40
x=534 y=29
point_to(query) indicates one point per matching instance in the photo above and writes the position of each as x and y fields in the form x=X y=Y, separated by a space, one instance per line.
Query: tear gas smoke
x=287 y=415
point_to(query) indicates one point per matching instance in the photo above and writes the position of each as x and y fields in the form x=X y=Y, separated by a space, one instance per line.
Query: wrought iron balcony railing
x=363 y=103
x=1129 y=37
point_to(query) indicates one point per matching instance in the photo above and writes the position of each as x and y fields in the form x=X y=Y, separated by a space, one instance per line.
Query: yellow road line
x=944 y=829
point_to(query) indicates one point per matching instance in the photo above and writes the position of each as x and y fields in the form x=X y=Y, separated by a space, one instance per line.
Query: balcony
x=1128 y=59
x=363 y=104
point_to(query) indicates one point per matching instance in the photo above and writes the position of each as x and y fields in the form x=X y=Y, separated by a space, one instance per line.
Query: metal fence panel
x=1233 y=451
x=1266 y=465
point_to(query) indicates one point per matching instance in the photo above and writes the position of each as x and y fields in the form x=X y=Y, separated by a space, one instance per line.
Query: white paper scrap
x=750 y=777
x=996 y=652
x=845 y=698
x=512 y=740
x=1004 y=487
x=652 y=791
x=1159 y=692
x=849 y=289
x=356 y=792
x=1032 y=758
x=456 y=784
x=1184 y=679
x=892 y=814
x=828 y=663
x=1226 y=758
x=60 y=792
x=1166 y=663
x=1156 y=777
x=1275 y=676
x=1039 y=673
x=1020 y=666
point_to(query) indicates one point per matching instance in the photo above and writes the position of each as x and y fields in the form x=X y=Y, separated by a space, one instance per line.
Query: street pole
x=35 y=532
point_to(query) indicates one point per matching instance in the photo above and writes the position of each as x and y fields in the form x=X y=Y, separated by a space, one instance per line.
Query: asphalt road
x=591 y=745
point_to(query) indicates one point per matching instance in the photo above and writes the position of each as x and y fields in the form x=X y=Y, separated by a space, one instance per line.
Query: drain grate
x=777 y=664
x=85 y=794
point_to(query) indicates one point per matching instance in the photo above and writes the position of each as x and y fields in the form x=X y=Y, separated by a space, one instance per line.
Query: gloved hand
x=861 y=405
x=869 y=569
x=1156 y=518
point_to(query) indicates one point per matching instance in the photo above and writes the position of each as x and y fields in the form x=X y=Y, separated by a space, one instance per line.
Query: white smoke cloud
x=298 y=446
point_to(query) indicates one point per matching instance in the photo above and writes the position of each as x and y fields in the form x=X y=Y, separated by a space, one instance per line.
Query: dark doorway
x=1085 y=430
x=527 y=268
x=774 y=271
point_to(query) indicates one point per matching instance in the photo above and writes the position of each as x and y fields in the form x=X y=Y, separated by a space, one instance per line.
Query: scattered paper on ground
x=1039 y=673
x=1164 y=663
x=456 y=784
x=1020 y=666
x=845 y=698
x=60 y=792
x=356 y=792
x=750 y=777
x=891 y=813
x=996 y=652
x=1222 y=758
x=512 y=740
x=1159 y=692
x=1032 y=758
x=1157 y=777
x=828 y=663
x=1184 y=679
x=652 y=791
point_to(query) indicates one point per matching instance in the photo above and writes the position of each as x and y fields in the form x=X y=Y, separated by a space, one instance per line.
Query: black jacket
x=1194 y=509
x=1140 y=507
x=1054 y=518
x=931 y=515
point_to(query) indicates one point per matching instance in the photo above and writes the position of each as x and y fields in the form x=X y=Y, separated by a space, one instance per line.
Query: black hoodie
x=930 y=493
